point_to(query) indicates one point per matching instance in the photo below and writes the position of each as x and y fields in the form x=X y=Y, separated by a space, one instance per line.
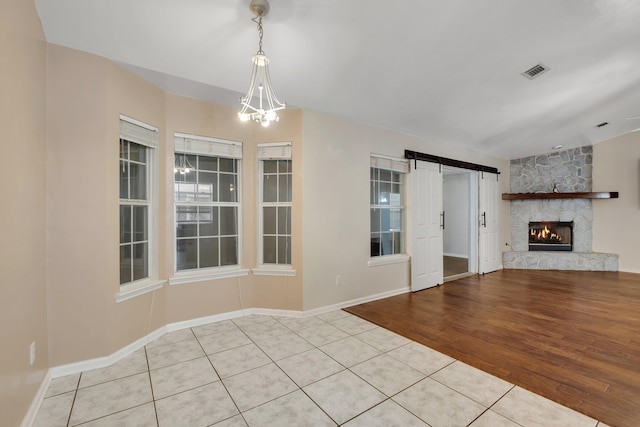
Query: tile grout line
x=219 y=379
x=353 y=335
x=241 y=413
x=153 y=397
x=287 y=375
x=301 y=388
x=350 y=334
x=501 y=397
x=73 y=402
x=469 y=397
x=402 y=362
x=395 y=394
x=281 y=370
x=493 y=404
x=255 y=343
x=206 y=355
x=112 y=380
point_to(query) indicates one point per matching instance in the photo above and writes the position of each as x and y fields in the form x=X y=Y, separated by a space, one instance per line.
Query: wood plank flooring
x=570 y=336
x=454 y=265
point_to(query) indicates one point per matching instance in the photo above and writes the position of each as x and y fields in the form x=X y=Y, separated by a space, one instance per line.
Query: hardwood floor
x=454 y=265
x=570 y=336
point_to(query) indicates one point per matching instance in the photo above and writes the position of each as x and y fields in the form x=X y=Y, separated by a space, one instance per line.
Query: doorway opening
x=429 y=222
x=460 y=207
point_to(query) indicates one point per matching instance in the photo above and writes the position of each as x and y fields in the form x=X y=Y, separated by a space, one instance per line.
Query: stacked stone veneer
x=569 y=171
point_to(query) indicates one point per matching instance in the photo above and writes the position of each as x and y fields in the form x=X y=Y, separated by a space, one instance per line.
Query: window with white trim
x=275 y=197
x=387 y=180
x=207 y=202
x=138 y=142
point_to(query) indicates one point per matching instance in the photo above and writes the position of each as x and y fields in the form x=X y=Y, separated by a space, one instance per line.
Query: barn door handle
x=442 y=220
x=484 y=219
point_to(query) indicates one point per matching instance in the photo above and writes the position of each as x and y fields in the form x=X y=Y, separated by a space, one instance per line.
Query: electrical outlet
x=32 y=353
x=339 y=280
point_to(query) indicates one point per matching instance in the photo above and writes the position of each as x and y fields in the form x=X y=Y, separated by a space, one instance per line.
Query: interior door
x=426 y=221
x=489 y=246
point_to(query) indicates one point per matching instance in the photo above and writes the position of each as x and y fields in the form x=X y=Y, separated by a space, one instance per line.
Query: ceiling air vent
x=535 y=71
x=599 y=125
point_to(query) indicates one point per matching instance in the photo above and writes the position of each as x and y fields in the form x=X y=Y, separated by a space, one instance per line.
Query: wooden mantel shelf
x=539 y=196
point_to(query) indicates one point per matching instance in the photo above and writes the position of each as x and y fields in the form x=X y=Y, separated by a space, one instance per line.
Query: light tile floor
x=327 y=370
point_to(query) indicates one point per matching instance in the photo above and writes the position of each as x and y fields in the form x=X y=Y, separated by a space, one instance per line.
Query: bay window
x=207 y=202
x=275 y=203
x=138 y=143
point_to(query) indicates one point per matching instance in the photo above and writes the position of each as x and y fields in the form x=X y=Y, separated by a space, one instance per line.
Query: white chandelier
x=267 y=104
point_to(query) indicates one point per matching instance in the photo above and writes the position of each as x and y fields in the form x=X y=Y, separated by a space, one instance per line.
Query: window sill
x=388 y=259
x=192 y=277
x=273 y=271
x=132 y=291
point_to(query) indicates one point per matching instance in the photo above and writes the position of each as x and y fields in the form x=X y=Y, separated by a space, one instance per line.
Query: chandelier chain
x=258 y=20
x=264 y=107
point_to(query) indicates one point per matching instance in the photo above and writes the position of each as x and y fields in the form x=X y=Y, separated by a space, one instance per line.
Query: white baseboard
x=32 y=413
x=340 y=305
x=457 y=255
x=102 y=362
x=176 y=326
x=278 y=313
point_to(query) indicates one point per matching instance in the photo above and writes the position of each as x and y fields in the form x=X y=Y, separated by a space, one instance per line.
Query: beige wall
x=78 y=211
x=616 y=167
x=23 y=215
x=130 y=95
x=336 y=206
x=60 y=282
x=205 y=298
x=86 y=95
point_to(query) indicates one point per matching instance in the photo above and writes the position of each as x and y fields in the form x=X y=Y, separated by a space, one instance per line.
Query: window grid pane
x=207 y=221
x=124 y=179
x=125 y=264
x=134 y=211
x=276 y=197
x=206 y=199
x=140 y=260
x=270 y=188
x=284 y=221
x=186 y=254
x=209 y=251
x=387 y=212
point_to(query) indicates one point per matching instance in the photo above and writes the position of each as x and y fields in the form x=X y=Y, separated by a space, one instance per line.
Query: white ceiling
x=445 y=70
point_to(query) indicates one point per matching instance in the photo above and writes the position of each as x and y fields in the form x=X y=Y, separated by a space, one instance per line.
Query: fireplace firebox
x=551 y=236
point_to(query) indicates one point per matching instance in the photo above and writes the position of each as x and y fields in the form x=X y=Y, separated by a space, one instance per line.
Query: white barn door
x=489 y=246
x=426 y=237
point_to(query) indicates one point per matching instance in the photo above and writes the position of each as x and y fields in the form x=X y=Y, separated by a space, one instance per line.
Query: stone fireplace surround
x=570 y=171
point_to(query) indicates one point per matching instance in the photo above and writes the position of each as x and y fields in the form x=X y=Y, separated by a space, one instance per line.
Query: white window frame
x=138 y=132
x=392 y=164
x=211 y=147
x=272 y=151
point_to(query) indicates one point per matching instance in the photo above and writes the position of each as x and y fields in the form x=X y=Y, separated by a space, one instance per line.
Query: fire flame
x=545 y=235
